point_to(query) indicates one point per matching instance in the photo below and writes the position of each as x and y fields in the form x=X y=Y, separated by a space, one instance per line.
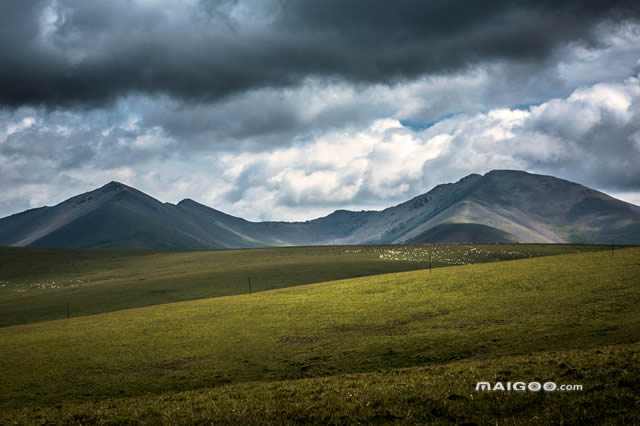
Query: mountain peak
x=189 y=203
x=505 y=172
x=471 y=176
x=527 y=207
x=114 y=185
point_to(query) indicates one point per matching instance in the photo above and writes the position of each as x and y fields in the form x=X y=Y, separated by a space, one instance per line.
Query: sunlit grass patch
x=360 y=325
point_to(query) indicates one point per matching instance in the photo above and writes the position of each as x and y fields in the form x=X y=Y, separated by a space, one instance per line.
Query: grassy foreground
x=437 y=394
x=37 y=284
x=474 y=312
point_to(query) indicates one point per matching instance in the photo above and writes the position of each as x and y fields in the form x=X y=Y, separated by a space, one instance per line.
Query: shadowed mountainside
x=501 y=206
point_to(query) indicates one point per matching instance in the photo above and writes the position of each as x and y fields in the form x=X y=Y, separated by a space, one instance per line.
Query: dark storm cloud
x=61 y=141
x=259 y=120
x=70 y=52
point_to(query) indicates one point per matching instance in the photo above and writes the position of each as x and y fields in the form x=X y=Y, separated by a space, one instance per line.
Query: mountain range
x=501 y=206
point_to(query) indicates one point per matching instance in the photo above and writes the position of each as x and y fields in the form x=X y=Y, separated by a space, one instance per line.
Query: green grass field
x=435 y=394
x=401 y=347
x=37 y=284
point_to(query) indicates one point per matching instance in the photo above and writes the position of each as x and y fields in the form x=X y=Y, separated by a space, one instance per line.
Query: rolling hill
x=40 y=284
x=394 y=345
x=500 y=206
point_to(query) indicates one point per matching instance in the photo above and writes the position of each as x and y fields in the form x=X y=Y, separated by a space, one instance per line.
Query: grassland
x=37 y=284
x=400 y=347
x=436 y=394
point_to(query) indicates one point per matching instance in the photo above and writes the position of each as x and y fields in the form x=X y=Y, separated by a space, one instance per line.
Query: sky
x=289 y=110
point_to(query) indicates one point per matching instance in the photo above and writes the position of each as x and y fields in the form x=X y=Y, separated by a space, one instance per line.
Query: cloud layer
x=592 y=136
x=289 y=110
x=69 y=52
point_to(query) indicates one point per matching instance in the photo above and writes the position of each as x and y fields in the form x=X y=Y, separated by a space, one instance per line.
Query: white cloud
x=590 y=134
x=13 y=127
x=389 y=162
x=305 y=151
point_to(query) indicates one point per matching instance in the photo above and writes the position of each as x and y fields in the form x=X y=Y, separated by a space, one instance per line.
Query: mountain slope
x=556 y=209
x=501 y=206
x=114 y=216
x=462 y=233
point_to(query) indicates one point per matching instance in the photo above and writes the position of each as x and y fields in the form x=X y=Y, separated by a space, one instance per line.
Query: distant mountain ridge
x=500 y=206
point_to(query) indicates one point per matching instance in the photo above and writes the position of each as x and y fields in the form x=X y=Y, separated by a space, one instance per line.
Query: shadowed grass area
x=490 y=310
x=437 y=394
x=37 y=284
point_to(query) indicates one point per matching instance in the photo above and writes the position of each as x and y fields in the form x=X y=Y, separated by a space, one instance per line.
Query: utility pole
x=612 y=248
x=249 y=279
x=68 y=315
